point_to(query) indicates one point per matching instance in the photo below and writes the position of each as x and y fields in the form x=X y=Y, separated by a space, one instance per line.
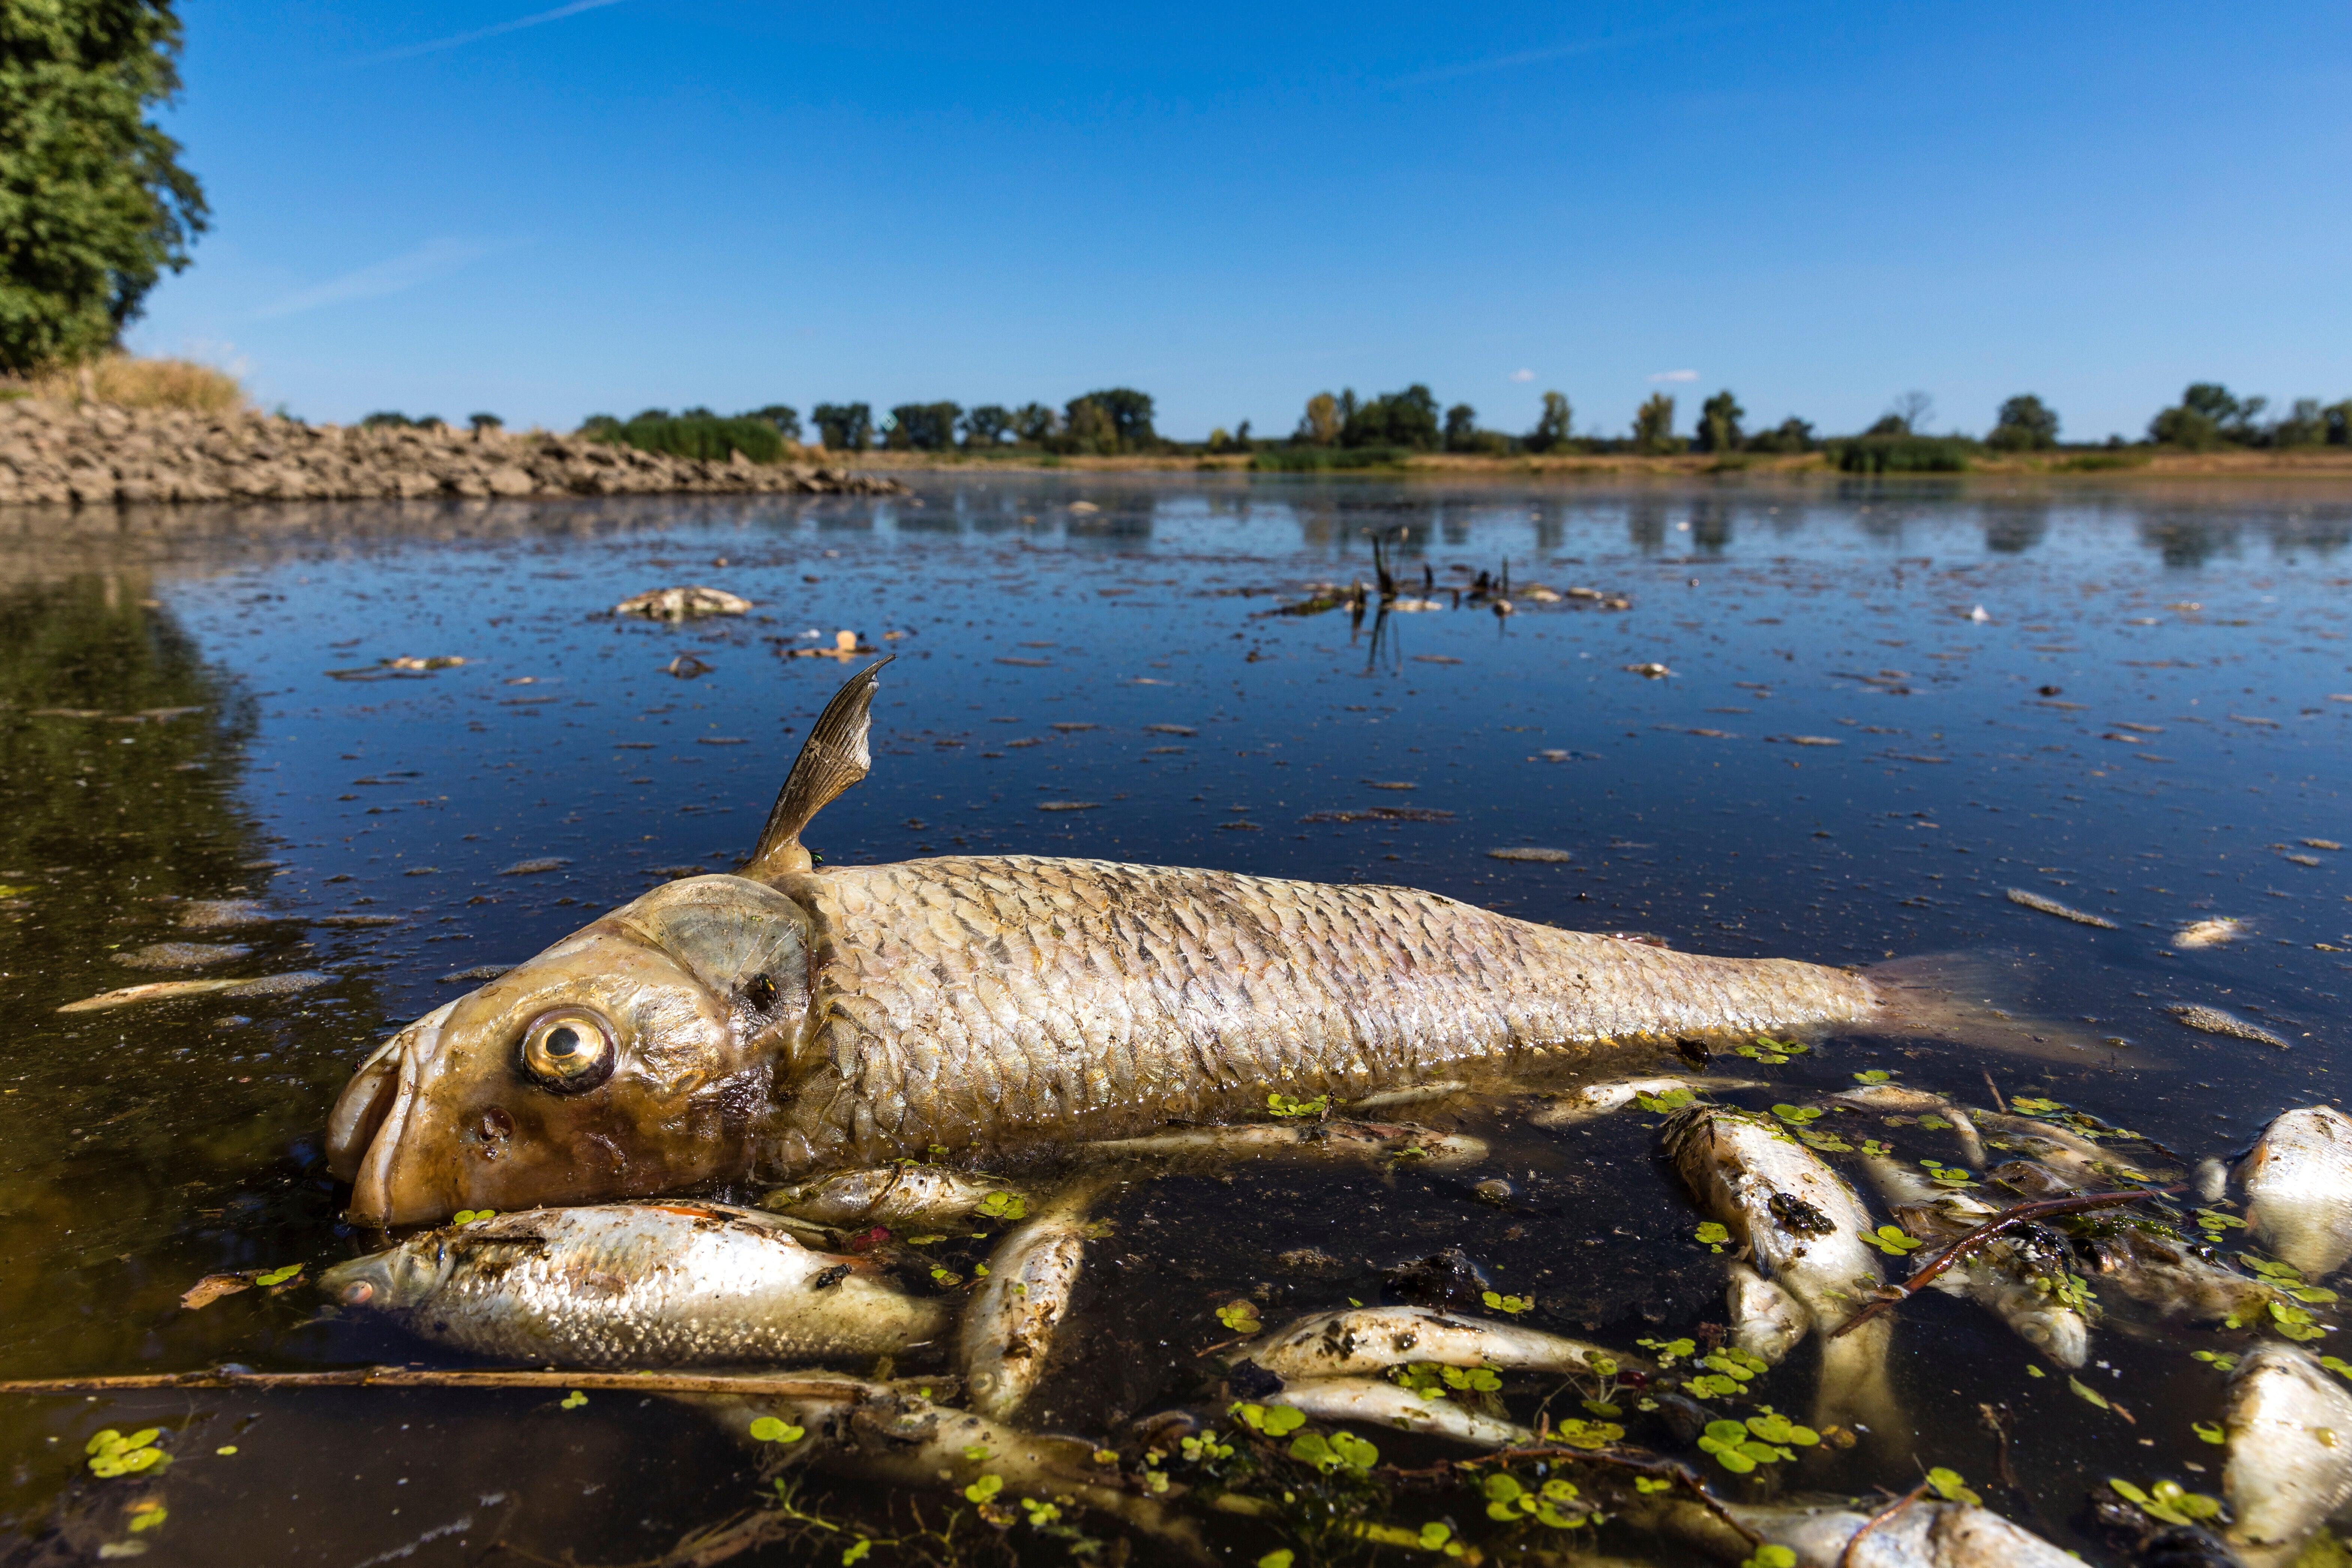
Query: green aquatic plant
x=1514 y=1305
x=1892 y=1240
x=2031 y=1106
x=1274 y=1420
x=1827 y=1142
x=2210 y=1432
x=1949 y=1485
x=1771 y=1051
x=1509 y=1503
x=770 y=1429
x=1712 y=1236
x=1669 y=1351
x=1240 y=1316
x=1770 y=1554
x=472 y=1216
x=1283 y=1105
x=277 y=1277
x=1945 y=1176
x=1799 y=1115
x=1004 y=1206
x=2221 y=1363
x=1875 y=1075
x=1673 y=1099
x=2169 y=1501
x=111 y=1454
x=2214 y=1222
x=1340 y=1451
x=571 y=1401
x=1872 y=1146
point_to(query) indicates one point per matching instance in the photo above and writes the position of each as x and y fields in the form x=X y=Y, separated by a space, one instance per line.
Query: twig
x=2008 y=1219
x=843 y=1389
x=1845 y=1558
x=1997 y=1099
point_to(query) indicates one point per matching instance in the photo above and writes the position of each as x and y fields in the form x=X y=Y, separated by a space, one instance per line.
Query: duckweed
x=1949 y=1485
x=770 y=1429
x=1713 y=1236
x=1340 y=1451
x=573 y=1400
x=2209 y=1432
x=1514 y=1305
x=2169 y=1501
x=984 y=1489
x=1798 y=1115
x=1004 y=1205
x=1283 y=1105
x=1275 y=1421
x=1659 y=1104
x=2031 y=1106
x=1892 y=1240
x=148 y=1514
x=1769 y=1555
x=1240 y=1316
x=1875 y=1075
x=277 y=1276
x=111 y=1454
x=472 y=1216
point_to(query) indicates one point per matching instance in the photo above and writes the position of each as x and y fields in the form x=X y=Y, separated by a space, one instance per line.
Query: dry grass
x=127 y=383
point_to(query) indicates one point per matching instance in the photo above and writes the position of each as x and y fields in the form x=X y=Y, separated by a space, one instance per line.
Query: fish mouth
x=381 y=1100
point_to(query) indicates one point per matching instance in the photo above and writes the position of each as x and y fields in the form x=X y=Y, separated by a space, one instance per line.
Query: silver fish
x=1375 y=1402
x=2290 y=1445
x=1008 y=1329
x=1920 y=1534
x=2005 y=1276
x=1357 y=1341
x=795 y=1020
x=1766 y=1320
x=636 y=1284
x=2298 y=1183
x=1594 y=1099
x=1803 y=1225
x=924 y=1196
x=1895 y=1098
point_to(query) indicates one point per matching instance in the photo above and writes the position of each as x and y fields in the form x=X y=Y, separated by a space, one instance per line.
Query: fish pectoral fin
x=833 y=758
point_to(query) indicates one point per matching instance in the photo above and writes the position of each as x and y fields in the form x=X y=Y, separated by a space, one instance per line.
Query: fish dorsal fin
x=833 y=758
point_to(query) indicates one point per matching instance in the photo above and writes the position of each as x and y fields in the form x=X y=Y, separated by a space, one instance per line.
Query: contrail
x=516 y=26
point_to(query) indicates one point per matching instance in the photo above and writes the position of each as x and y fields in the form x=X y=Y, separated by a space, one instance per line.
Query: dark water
x=2149 y=723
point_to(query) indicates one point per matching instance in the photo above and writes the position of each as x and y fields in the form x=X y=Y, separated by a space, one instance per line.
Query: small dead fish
x=2290 y=1448
x=2147 y=1261
x=2000 y=1277
x=2214 y=1021
x=1008 y=1329
x=171 y=990
x=1766 y=1320
x=2059 y=1148
x=659 y=1284
x=2208 y=933
x=1921 y=1534
x=682 y=603
x=1376 y=1402
x=2298 y=1183
x=1367 y=1139
x=2064 y=912
x=923 y=1196
x=1419 y=1094
x=1358 y=1341
x=1896 y=1099
x=223 y=914
x=183 y=955
x=1600 y=1099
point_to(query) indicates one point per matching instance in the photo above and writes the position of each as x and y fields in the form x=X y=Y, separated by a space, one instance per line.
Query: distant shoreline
x=2092 y=463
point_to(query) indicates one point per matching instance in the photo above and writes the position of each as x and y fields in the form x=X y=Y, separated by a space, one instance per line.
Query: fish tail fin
x=833 y=758
x=1962 y=997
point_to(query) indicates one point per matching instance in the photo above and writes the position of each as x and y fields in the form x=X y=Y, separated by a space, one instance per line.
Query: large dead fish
x=2298 y=1184
x=2290 y=1465
x=2019 y=1283
x=794 y=1019
x=632 y=1285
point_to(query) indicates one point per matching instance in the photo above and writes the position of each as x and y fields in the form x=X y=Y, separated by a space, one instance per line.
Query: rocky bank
x=91 y=455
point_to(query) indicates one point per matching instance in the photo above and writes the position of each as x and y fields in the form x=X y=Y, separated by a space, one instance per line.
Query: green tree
x=986 y=426
x=786 y=419
x=2025 y=424
x=2305 y=425
x=924 y=426
x=1407 y=418
x=1719 y=423
x=1319 y=426
x=1461 y=427
x=1035 y=425
x=1654 y=426
x=2208 y=414
x=1551 y=431
x=1791 y=435
x=1088 y=426
x=481 y=422
x=844 y=426
x=94 y=205
x=1129 y=413
x=2339 y=423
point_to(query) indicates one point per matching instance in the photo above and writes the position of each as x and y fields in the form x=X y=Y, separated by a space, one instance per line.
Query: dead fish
x=1363 y=1139
x=1919 y=1534
x=1600 y=1099
x=172 y=990
x=2144 y=1258
x=1376 y=1402
x=2214 y=1021
x=1766 y=1320
x=2208 y=934
x=183 y=955
x=1895 y=1098
x=2290 y=1452
x=796 y=1019
x=2060 y=1148
x=1008 y=1329
x=679 y=604
x=2015 y=1281
x=923 y=1196
x=1357 y=1341
x=2064 y=912
x=1419 y=1094
x=874 y=1432
x=668 y=1284
x=1802 y=1226
x=2298 y=1183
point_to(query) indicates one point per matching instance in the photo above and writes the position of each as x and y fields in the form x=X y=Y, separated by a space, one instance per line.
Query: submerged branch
x=845 y=1389
x=2006 y=1220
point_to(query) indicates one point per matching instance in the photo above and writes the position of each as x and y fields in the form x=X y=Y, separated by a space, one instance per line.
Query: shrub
x=1905 y=455
x=698 y=435
x=1317 y=460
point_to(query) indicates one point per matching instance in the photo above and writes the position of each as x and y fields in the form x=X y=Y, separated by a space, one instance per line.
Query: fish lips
x=374 y=1114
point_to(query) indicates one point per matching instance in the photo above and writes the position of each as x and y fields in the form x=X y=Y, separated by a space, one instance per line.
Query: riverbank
x=93 y=454
x=2133 y=462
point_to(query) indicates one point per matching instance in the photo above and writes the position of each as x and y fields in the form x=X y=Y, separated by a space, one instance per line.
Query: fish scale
x=1178 y=993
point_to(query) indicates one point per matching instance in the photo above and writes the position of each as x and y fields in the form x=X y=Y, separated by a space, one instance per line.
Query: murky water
x=1887 y=708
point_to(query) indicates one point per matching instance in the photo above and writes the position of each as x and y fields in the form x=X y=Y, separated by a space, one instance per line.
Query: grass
x=1317 y=460
x=127 y=383
x=1905 y=455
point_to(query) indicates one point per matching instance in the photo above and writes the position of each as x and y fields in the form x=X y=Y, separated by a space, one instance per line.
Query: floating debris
x=1170 y=730
x=182 y=955
x=1531 y=852
x=1068 y=805
x=1650 y=671
x=2064 y=912
x=1390 y=783
x=686 y=666
x=223 y=914
x=2214 y=1021
x=682 y=604
x=356 y=920
x=1381 y=814
x=402 y=669
x=2212 y=932
x=533 y=867
x=212 y=1288
x=2321 y=844
x=172 y=990
x=479 y=972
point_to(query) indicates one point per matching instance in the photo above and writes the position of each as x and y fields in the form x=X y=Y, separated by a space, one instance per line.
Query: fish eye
x=570 y=1050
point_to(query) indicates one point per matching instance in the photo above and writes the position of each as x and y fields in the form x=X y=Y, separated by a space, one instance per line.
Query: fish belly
x=983 y=1000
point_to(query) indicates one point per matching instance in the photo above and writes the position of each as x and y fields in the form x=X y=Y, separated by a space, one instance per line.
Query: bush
x=127 y=383
x=1905 y=455
x=697 y=435
x=1317 y=460
x=1791 y=435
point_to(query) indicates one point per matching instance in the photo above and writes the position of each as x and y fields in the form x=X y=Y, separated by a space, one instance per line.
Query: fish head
x=397 y=1279
x=634 y=1057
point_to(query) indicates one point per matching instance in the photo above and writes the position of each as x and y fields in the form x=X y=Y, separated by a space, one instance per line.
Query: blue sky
x=446 y=209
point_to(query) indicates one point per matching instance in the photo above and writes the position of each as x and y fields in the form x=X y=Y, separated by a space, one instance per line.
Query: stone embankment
x=91 y=453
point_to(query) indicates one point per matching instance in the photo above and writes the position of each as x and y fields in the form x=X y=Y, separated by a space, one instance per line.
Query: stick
x=847 y=1390
x=1845 y=1558
x=2008 y=1219
x=1997 y=1099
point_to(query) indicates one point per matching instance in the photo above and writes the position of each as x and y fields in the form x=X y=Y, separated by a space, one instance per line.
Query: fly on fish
x=788 y=1020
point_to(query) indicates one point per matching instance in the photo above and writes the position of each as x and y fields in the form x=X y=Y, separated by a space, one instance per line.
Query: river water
x=1838 y=724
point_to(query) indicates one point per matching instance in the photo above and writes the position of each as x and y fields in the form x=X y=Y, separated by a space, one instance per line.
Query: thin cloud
x=1523 y=376
x=1675 y=376
x=433 y=258
x=518 y=25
